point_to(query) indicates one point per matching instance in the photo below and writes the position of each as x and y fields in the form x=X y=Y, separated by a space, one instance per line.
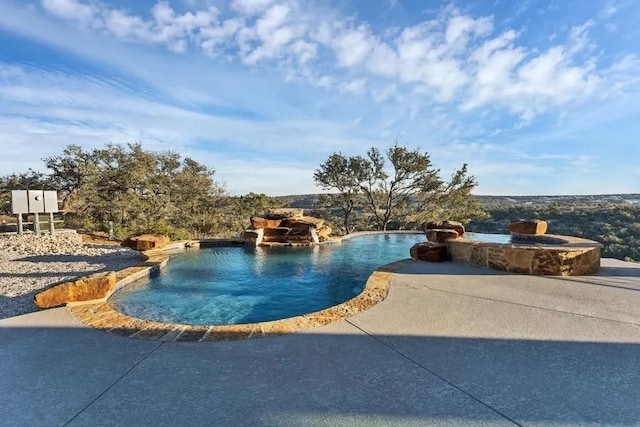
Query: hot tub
x=547 y=254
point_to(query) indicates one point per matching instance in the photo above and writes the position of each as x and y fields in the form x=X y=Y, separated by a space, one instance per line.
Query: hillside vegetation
x=613 y=220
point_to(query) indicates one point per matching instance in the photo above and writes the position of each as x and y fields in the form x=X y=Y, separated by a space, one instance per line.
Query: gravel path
x=30 y=263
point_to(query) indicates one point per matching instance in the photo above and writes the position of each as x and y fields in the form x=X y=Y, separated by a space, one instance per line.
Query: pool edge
x=99 y=314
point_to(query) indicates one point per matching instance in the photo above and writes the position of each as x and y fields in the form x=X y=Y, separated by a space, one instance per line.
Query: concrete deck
x=451 y=345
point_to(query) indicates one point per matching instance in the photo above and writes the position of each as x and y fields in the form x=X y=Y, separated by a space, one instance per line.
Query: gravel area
x=29 y=264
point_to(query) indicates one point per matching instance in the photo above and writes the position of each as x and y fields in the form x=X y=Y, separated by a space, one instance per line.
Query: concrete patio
x=451 y=345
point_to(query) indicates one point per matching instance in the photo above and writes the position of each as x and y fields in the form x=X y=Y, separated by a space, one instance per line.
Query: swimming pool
x=231 y=285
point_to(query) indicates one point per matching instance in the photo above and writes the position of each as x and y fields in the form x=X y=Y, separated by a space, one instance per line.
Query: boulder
x=445 y=225
x=283 y=213
x=324 y=232
x=146 y=242
x=259 y=222
x=534 y=226
x=440 y=235
x=429 y=251
x=96 y=286
x=303 y=220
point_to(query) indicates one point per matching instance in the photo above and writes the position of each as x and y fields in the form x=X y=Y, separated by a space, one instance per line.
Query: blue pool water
x=236 y=285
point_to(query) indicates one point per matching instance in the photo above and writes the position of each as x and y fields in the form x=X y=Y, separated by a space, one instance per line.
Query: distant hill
x=306 y=201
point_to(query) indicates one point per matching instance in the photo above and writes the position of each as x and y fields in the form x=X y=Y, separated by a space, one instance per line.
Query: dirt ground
x=98 y=238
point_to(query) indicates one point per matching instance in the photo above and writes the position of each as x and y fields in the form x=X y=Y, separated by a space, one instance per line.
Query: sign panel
x=19 y=202
x=36 y=201
x=50 y=201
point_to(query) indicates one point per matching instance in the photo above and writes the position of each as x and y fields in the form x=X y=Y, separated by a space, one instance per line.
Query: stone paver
x=451 y=345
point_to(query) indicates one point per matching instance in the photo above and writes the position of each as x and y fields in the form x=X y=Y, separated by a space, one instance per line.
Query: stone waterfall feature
x=286 y=227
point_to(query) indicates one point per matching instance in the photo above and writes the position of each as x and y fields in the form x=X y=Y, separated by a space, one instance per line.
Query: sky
x=536 y=96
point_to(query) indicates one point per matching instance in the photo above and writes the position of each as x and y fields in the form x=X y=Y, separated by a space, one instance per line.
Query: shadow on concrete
x=619 y=271
x=78 y=377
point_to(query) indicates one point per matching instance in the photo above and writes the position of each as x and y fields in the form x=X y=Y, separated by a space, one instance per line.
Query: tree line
x=615 y=225
x=142 y=191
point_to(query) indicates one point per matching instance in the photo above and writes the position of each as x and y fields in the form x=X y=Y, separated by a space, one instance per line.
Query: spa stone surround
x=530 y=250
x=551 y=255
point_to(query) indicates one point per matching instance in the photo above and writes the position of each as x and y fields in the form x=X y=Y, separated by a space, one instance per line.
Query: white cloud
x=608 y=11
x=250 y=7
x=454 y=59
x=353 y=45
x=355 y=86
x=272 y=34
x=71 y=9
x=461 y=27
x=65 y=109
x=529 y=84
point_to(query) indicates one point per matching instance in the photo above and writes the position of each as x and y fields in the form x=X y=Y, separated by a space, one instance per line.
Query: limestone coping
x=99 y=314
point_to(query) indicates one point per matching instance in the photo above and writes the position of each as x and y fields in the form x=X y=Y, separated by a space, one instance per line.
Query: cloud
x=71 y=9
x=353 y=46
x=250 y=7
x=455 y=58
x=355 y=86
x=608 y=11
x=47 y=110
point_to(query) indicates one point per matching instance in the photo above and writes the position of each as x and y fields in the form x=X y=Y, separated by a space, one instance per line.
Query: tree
x=407 y=190
x=240 y=208
x=339 y=173
x=197 y=197
x=141 y=191
x=453 y=201
x=69 y=171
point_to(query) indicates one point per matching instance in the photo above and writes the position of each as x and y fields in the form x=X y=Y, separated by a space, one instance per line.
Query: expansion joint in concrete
x=441 y=378
x=114 y=383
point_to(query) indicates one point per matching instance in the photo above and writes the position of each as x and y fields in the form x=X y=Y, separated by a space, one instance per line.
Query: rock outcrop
x=303 y=221
x=534 y=226
x=96 y=286
x=146 y=242
x=429 y=251
x=441 y=231
x=445 y=225
x=259 y=222
x=440 y=235
x=286 y=226
x=283 y=213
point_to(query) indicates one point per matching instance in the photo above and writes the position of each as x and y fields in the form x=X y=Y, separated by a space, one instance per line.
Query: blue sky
x=538 y=97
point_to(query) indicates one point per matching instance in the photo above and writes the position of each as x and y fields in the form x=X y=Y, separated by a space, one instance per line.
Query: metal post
x=36 y=223
x=52 y=230
x=20 y=229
